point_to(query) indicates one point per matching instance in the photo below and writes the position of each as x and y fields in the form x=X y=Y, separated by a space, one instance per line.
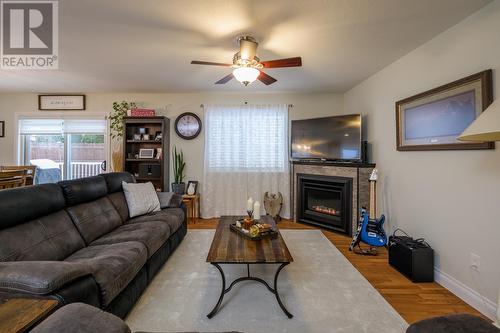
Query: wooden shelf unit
x=131 y=146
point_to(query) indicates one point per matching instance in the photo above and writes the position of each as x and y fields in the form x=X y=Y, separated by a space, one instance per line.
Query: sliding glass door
x=86 y=155
x=63 y=148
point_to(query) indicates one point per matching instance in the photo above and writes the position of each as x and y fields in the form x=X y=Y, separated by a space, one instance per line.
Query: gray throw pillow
x=141 y=198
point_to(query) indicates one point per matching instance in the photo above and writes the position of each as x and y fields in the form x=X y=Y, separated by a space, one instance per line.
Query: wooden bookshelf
x=152 y=170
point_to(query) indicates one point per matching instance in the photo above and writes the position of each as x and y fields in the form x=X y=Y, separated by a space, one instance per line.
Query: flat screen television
x=331 y=138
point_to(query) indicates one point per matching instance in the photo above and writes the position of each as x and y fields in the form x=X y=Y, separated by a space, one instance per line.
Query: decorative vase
x=179 y=188
x=247 y=223
x=191 y=189
x=116 y=154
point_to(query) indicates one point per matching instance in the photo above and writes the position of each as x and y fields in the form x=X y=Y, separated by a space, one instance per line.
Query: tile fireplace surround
x=359 y=172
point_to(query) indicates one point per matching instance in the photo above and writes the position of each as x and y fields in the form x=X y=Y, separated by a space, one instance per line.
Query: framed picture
x=434 y=119
x=146 y=153
x=192 y=187
x=2 y=129
x=61 y=102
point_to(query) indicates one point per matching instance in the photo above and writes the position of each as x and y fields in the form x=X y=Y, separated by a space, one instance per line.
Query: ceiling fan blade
x=197 y=62
x=266 y=79
x=288 y=62
x=225 y=79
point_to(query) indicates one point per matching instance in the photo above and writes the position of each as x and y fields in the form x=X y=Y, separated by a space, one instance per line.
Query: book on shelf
x=141 y=113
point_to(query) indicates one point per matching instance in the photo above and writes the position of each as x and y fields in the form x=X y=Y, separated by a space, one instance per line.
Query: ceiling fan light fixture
x=246 y=75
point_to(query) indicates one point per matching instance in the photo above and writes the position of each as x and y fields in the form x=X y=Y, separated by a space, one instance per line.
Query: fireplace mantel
x=335 y=163
x=359 y=172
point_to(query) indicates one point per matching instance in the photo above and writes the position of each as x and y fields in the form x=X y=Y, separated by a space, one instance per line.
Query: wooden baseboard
x=467 y=294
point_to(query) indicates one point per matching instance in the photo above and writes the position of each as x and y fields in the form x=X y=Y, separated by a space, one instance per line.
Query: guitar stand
x=372 y=251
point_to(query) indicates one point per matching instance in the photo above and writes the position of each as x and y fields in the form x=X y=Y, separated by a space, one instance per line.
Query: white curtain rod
x=289 y=105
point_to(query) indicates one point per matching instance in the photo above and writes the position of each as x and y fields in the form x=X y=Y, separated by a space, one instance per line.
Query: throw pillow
x=141 y=198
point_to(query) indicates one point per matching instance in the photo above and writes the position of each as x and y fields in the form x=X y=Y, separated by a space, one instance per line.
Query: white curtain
x=246 y=154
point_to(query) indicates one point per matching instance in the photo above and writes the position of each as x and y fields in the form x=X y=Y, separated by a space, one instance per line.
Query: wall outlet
x=475 y=262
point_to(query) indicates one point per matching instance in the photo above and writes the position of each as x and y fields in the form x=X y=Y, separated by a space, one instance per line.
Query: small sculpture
x=272 y=204
x=191 y=190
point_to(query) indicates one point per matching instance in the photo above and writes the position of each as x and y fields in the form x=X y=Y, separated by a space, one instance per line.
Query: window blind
x=62 y=126
x=87 y=126
x=40 y=126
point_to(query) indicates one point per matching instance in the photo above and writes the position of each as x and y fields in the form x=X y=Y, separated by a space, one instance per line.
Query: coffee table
x=228 y=247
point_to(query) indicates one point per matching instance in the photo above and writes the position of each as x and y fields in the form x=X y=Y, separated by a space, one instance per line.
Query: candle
x=256 y=210
x=250 y=204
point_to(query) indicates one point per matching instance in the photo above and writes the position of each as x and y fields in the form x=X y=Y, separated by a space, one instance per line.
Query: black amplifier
x=412 y=258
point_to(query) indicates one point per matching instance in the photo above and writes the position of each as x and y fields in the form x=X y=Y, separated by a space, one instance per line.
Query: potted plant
x=178 y=186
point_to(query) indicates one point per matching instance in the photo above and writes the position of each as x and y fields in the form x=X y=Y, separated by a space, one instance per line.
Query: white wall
x=170 y=105
x=451 y=198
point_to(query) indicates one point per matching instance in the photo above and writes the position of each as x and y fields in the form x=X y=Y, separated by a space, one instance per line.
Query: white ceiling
x=147 y=45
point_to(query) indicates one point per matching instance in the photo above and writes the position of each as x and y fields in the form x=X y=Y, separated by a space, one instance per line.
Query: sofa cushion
x=24 y=204
x=83 y=190
x=120 y=204
x=457 y=323
x=169 y=200
x=114 y=180
x=95 y=218
x=52 y=237
x=81 y=318
x=141 y=198
x=153 y=235
x=173 y=217
x=113 y=266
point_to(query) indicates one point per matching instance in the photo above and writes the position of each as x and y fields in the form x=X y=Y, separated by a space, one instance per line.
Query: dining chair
x=11 y=179
x=30 y=175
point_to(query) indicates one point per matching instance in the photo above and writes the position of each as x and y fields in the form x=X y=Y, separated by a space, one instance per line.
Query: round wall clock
x=188 y=125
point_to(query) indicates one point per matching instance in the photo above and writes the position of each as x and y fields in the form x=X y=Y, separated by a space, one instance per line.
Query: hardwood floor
x=413 y=301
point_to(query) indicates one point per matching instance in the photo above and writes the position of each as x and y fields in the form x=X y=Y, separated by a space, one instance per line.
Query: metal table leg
x=249 y=278
x=289 y=315
x=223 y=291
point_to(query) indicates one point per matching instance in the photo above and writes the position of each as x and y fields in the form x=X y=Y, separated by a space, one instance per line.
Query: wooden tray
x=269 y=234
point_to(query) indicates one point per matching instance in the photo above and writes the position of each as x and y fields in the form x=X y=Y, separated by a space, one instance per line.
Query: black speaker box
x=150 y=170
x=364 y=151
x=414 y=259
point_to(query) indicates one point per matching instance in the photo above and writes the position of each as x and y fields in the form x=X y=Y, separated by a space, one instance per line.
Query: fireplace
x=325 y=201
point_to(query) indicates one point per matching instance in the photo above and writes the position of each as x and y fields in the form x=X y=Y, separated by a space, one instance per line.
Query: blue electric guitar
x=370 y=230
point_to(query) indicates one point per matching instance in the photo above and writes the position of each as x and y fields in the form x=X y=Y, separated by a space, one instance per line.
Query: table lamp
x=486 y=128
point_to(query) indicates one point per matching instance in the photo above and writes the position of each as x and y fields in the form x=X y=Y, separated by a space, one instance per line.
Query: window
x=63 y=148
x=246 y=138
x=246 y=155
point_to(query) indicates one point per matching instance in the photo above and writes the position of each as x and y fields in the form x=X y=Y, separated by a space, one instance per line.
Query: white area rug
x=323 y=291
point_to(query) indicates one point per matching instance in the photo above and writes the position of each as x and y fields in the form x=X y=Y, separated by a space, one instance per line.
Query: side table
x=192 y=203
x=20 y=314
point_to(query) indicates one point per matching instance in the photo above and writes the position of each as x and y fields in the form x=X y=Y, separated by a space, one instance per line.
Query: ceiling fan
x=248 y=67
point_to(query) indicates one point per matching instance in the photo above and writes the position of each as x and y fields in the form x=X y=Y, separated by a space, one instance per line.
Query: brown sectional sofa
x=74 y=241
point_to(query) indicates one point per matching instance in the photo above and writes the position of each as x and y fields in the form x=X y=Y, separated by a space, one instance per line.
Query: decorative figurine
x=273 y=204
